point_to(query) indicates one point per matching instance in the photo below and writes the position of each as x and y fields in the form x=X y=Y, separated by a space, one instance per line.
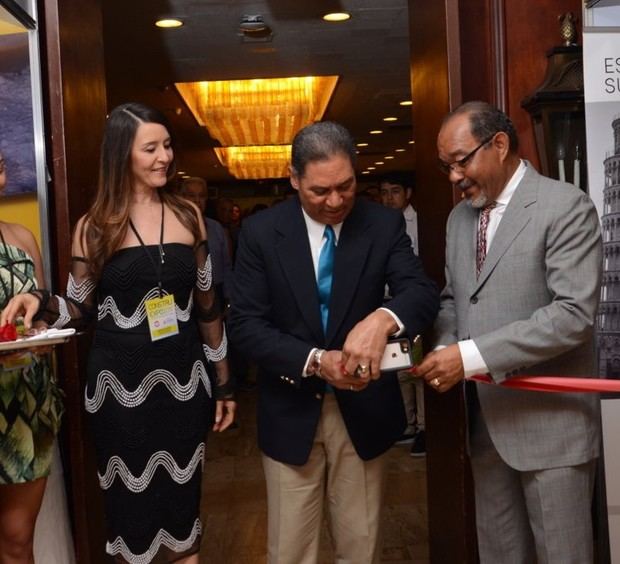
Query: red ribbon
x=555 y=383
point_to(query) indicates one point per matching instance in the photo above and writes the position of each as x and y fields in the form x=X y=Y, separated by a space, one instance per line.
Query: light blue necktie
x=325 y=273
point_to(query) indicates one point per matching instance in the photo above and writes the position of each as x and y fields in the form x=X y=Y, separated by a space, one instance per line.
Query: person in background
x=141 y=268
x=31 y=405
x=258 y=208
x=195 y=190
x=523 y=277
x=371 y=192
x=226 y=210
x=307 y=308
x=223 y=210
x=234 y=227
x=396 y=191
x=235 y=216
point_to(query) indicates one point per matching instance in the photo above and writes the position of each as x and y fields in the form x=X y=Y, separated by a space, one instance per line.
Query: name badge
x=162 y=317
x=16 y=362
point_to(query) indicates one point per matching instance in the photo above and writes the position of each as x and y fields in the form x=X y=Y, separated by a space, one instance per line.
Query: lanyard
x=158 y=266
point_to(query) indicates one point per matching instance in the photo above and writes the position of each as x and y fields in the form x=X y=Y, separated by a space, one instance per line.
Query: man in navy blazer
x=326 y=413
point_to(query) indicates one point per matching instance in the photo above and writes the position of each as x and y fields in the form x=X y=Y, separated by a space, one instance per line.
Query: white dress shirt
x=473 y=363
x=411 y=226
x=316 y=238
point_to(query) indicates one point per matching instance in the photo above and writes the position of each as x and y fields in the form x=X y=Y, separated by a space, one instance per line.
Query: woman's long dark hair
x=106 y=222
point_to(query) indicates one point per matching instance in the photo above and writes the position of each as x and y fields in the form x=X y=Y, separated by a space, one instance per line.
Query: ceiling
x=370 y=52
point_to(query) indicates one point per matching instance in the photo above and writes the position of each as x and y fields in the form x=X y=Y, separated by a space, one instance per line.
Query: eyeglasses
x=461 y=164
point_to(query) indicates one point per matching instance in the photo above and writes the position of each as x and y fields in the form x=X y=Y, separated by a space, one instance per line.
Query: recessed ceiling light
x=169 y=22
x=388 y=157
x=362 y=144
x=375 y=132
x=390 y=118
x=379 y=162
x=406 y=103
x=399 y=151
x=412 y=142
x=365 y=172
x=252 y=24
x=337 y=17
x=371 y=167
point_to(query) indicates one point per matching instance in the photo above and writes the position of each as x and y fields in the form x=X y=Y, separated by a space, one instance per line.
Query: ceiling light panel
x=258 y=162
x=258 y=111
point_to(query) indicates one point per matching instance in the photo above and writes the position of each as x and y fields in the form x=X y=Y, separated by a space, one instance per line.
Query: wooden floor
x=235 y=510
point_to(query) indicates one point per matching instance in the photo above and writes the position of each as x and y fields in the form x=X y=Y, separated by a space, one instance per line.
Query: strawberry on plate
x=8 y=332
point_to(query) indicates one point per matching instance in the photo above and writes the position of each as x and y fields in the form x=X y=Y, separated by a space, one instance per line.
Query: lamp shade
x=264 y=161
x=262 y=111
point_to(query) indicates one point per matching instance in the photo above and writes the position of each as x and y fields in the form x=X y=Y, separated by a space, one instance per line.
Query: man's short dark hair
x=320 y=141
x=485 y=120
x=404 y=179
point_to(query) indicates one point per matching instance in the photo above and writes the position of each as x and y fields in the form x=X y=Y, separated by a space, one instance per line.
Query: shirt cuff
x=473 y=363
x=401 y=327
x=304 y=373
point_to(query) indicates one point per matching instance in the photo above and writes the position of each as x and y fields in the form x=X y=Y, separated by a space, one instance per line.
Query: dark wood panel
x=75 y=109
x=436 y=87
x=476 y=44
x=532 y=28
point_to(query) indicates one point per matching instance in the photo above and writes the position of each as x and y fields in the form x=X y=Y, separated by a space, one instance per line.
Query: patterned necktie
x=481 y=242
x=325 y=273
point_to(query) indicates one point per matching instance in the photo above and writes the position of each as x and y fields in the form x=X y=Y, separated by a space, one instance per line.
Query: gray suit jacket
x=532 y=311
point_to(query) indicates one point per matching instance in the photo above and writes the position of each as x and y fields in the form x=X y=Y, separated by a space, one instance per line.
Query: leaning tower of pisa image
x=609 y=311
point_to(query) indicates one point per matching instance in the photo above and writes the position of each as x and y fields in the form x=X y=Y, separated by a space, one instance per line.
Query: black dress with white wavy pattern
x=150 y=403
x=149 y=408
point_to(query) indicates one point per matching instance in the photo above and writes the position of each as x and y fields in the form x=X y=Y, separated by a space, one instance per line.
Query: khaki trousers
x=352 y=489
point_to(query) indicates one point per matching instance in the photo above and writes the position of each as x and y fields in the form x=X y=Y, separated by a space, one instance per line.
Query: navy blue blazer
x=275 y=320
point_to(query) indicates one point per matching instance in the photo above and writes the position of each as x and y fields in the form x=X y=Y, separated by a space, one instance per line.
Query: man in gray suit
x=523 y=271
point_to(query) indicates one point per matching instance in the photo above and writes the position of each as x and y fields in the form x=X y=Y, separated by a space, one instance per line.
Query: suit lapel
x=516 y=217
x=351 y=253
x=293 y=251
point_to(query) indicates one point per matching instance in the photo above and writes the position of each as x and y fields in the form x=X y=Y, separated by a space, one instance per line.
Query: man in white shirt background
x=396 y=190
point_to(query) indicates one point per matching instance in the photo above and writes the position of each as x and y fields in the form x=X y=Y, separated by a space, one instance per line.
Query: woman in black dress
x=142 y=270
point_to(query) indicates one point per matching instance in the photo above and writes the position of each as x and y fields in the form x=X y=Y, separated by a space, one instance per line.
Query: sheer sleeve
x=210 y=322
x=77 y=307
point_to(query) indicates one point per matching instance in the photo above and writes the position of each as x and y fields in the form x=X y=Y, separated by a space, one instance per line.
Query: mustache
x=464 y=184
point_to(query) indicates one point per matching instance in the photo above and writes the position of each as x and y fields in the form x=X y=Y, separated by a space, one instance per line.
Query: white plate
x=45 y=339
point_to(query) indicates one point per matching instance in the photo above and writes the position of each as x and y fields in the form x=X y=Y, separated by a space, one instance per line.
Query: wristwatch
x=315 y=363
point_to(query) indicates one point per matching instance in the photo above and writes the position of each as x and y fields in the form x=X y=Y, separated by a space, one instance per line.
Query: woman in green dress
x=30 y=406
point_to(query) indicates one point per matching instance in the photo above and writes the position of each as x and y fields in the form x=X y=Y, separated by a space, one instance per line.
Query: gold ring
x=363 y=368
x=436 y=382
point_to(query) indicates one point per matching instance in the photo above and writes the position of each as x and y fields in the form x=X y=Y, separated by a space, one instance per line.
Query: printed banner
x=602 y=97
x=601 y=48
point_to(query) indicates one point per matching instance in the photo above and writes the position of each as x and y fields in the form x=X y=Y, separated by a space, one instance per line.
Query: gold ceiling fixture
x=251 y=163
x=261 y=111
